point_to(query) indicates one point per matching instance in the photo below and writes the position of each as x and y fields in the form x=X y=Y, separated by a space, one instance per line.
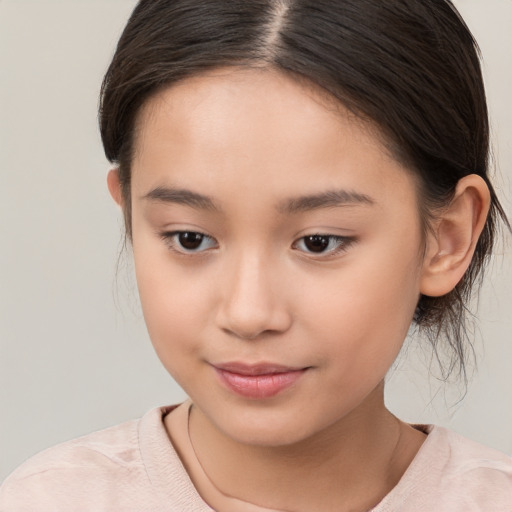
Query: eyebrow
x=182 y=196
x=327 y=199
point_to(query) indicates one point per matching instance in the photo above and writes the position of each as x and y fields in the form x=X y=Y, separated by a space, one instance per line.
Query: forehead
x=212 y=102
x=260 y=128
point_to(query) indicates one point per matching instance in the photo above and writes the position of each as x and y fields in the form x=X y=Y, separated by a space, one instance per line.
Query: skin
x=252 y=142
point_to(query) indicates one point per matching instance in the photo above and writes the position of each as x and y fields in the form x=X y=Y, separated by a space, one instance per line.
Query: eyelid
x=169 y=238
x=344 y=243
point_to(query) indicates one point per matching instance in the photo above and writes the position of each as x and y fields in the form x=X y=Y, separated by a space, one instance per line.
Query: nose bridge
x=253 y=301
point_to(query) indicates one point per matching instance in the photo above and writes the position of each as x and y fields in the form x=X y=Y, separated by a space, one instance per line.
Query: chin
x=272 y=430
x=267 y=437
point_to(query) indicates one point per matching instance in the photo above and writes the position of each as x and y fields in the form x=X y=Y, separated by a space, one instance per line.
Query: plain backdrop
x=74 y=353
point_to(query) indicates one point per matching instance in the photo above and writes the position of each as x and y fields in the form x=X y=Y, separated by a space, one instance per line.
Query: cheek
x=174 y=305
x=365 y=313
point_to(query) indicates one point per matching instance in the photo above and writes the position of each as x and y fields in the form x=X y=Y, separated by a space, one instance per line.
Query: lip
x=258 y=381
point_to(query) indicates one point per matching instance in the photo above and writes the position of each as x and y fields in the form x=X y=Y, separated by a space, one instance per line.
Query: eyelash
x=342 y=243
x=171 y=239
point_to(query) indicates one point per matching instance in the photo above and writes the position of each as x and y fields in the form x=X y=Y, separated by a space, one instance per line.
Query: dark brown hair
x=411 y=67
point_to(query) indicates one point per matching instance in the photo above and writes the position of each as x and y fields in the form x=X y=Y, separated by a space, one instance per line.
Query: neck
x=354 y=462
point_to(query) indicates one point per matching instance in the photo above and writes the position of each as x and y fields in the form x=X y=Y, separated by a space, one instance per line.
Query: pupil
x=190 y=240
x=317 y=243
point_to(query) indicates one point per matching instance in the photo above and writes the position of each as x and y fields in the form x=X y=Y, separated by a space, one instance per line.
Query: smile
x=258 y=381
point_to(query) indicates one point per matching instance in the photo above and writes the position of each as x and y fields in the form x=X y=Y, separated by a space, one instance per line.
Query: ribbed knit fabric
x=133 y=467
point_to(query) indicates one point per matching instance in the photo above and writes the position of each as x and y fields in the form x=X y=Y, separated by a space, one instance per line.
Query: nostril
x=245 y=332
x=252 y=325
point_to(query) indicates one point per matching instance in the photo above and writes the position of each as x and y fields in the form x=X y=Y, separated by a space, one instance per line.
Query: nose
x=253 y=300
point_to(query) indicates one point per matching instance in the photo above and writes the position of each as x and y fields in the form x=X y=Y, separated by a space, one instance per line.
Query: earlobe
x=114 y=186
x=451 y=245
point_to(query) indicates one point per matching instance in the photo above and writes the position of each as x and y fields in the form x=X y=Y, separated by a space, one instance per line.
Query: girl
x=300 y=180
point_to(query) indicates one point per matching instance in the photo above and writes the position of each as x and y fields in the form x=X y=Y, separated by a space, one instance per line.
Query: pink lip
x=258 y=381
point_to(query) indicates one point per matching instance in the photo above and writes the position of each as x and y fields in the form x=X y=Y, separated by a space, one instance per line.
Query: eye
x=188 y=241
x=323 y=244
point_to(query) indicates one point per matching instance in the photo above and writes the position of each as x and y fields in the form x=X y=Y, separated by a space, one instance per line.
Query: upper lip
x=256 y=369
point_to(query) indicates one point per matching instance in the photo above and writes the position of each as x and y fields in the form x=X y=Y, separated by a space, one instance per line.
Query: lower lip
x=259 y=386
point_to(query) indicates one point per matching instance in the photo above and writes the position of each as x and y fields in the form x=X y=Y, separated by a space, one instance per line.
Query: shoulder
x=475 y=477
x=79 y=474
x=453 y=474
x=102 y=448
x=476 y=466
x=463 y=448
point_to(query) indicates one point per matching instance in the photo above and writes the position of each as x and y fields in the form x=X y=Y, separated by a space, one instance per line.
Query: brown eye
x=190 y=240
x=327 y=245
x=317 y=243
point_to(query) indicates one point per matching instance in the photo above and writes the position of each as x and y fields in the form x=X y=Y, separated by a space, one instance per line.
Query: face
x=277 y=251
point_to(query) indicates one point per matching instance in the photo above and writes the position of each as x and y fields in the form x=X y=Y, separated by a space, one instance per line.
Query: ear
x=451 y=245
x=114 y=186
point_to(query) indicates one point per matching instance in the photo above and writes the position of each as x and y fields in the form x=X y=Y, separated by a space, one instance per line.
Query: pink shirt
x=134 y=467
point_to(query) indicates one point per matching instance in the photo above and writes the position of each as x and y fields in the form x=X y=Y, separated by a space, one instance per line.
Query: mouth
x=258 y=381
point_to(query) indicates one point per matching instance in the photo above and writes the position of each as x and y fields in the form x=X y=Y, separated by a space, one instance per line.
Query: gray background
x=74 y=354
